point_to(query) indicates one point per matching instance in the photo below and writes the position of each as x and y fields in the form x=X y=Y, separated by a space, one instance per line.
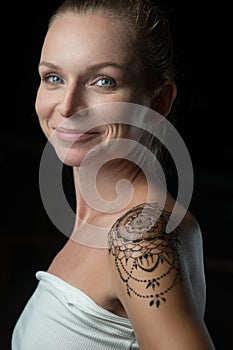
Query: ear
x=162 y=102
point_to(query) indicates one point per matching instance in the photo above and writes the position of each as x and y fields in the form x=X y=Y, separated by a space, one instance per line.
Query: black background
x=203 y=37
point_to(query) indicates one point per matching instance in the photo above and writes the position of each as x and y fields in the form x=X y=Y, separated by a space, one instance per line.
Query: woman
x=135 y=286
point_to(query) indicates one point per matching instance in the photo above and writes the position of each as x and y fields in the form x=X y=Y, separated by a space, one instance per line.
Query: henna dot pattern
x=145 y=255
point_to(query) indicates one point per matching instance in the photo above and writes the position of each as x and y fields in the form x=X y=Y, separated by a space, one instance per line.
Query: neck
x=101 y=198
x=98 y=190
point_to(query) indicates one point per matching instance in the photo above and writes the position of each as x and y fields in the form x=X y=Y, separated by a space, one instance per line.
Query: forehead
x=91 y=35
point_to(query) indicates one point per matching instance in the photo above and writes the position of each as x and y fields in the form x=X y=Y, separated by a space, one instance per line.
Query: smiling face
x=86 y=61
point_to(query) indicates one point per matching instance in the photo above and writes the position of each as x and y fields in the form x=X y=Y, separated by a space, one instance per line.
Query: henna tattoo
x=139 y=243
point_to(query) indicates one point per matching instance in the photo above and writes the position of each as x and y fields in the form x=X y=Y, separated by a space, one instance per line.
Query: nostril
x=69 y=112
x=69 y=117
x=65 y=112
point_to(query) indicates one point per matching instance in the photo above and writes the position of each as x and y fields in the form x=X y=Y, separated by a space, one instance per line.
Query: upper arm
x=149 y=283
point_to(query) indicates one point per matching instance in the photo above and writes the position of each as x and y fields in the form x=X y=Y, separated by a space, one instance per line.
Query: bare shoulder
x=151 y=274
x=145 y=256
x=192 y=244
x=190 y=224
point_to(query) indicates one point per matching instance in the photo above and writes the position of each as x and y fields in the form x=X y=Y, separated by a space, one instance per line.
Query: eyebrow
x=92 y=67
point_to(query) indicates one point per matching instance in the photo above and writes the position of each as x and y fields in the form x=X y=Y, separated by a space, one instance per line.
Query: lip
x=73 y=134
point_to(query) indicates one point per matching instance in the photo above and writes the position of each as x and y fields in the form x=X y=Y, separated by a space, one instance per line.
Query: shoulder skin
x=148 y=279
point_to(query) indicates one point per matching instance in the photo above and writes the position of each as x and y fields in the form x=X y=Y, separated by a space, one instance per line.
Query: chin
x=71 y=157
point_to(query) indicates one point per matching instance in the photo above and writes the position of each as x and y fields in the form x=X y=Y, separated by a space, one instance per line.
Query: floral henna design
x=138 y=241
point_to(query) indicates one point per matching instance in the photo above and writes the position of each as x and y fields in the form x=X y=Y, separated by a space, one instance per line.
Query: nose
x=72 y=102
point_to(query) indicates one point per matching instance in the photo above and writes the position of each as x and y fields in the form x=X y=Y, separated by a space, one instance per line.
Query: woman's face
x=86 y=60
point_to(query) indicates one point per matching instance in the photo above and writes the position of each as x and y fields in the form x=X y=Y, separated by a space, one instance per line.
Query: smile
x=72 y=135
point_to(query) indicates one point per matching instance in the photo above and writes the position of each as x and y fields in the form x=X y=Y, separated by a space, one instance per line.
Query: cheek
x=136 y=95
x=43 y=106
x=44 y=110
x=117 y=130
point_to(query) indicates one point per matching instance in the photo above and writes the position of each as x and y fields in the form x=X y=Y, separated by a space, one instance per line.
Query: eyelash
x=52 y=76
x=112 y=82
x=47 y=77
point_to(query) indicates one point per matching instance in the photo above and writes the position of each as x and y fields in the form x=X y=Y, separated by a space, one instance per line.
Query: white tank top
x=59 y=316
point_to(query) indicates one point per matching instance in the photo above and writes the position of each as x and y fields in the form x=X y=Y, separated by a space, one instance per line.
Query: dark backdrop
x=203 y=37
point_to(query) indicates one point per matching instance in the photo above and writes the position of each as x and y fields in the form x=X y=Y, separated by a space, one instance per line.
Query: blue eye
x=105 y=82
x=53 y=79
